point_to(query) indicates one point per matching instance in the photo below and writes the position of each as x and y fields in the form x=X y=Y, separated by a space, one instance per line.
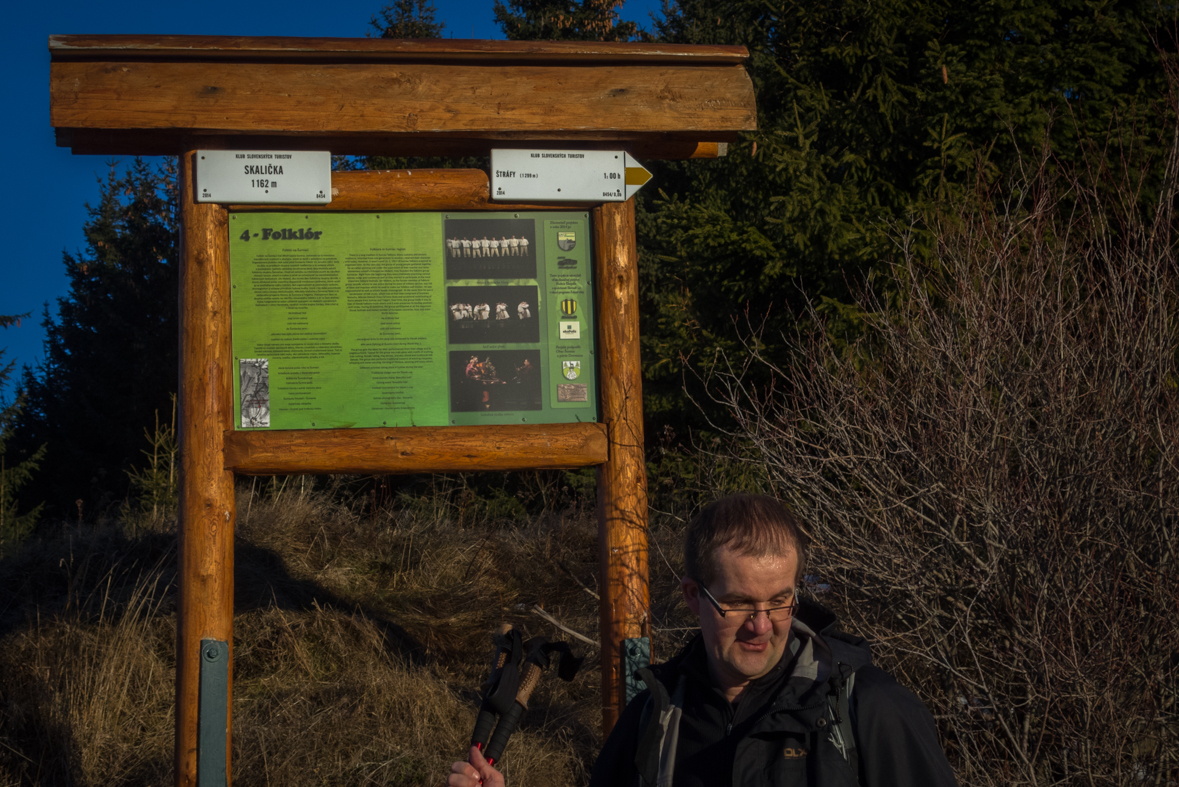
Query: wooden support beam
x=622 y=481
x=409 y=98
x=166 y=142
x=441 y=449
x=207 y=511
x=171 y=47
x=422 y=189
x=418 y=189
x=146 y=95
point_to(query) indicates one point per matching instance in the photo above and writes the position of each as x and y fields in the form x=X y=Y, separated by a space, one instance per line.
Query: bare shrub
x=991 y=475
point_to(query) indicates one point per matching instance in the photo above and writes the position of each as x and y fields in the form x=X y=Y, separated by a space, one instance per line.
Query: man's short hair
x=753 y=525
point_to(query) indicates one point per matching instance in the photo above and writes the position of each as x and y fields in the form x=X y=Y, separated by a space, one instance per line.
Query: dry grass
x=362 y=633
x=85 y=692
x=417 y=587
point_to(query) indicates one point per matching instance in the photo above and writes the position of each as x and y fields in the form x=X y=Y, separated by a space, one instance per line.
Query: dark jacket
x=780 y=731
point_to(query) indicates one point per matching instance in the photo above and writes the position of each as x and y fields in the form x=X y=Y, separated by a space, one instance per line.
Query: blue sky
x=46 y=188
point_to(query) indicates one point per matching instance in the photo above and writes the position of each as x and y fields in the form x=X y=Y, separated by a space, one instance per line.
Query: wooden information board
x=175 y=95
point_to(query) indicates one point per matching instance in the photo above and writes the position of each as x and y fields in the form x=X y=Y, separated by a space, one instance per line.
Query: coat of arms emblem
x=571 y=369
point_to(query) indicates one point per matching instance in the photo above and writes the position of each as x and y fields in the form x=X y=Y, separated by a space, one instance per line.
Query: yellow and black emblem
x=569 y=307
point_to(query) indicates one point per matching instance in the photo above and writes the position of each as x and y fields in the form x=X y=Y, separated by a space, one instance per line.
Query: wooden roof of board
x=146 y=95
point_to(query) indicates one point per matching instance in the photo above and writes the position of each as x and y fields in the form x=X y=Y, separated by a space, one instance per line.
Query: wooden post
x=622 y=480
x=206 y=488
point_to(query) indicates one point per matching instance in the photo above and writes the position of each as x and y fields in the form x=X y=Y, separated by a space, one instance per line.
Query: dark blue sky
x=45 y=188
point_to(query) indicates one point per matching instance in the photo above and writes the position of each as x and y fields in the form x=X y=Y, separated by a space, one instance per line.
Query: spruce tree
x=14 y=474
x=110 y=356
x=565 y=20
x=871 y=115
x=407 y=19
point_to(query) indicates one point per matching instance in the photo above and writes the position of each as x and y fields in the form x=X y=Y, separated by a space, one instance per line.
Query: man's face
x=741 y=649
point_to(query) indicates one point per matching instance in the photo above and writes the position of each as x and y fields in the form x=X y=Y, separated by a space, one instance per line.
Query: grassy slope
x=361 y=638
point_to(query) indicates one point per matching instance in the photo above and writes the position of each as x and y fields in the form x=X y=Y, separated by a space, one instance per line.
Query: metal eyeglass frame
x=751 y=613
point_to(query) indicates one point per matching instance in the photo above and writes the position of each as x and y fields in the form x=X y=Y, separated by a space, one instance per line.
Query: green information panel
x=411 y=319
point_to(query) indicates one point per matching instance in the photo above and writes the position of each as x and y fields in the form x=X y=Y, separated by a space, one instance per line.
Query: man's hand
x=474 y=772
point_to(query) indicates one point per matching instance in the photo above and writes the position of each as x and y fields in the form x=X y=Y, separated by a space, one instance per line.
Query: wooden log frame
x=150 y=95
x=212 y=451
x=440 y=449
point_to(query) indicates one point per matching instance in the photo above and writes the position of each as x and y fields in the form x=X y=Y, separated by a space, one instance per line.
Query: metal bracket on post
x=213 y=724
x=636 y=654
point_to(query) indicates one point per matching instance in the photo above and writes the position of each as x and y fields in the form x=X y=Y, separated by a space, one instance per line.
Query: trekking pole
x=539 y=651
x=502 y=684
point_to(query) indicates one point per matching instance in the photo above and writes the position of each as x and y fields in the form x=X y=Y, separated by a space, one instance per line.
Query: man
x=760 y=695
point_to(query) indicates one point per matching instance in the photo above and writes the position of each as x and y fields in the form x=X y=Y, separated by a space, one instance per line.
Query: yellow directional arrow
x=634 y=175
x=637 y=176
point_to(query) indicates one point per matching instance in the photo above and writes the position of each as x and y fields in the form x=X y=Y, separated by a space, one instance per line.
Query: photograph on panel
x=490 y=248
x=254 y=377
x=493 y=314
x=494 y=380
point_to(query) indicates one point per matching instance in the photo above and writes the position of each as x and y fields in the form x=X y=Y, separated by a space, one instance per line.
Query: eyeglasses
x=775 y=614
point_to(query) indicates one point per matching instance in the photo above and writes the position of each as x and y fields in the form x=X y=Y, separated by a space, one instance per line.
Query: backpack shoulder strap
x=839 y=707
x=660 y=724
x=647 y=753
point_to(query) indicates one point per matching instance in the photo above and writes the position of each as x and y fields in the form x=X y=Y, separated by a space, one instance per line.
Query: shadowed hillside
x=361 y=638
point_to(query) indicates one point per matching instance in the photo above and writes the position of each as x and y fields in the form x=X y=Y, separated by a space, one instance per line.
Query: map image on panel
x=495 y=380
x=504 y=314
x=490 y=249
